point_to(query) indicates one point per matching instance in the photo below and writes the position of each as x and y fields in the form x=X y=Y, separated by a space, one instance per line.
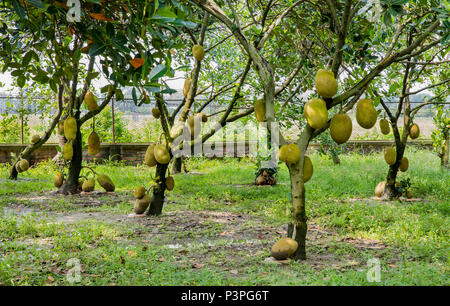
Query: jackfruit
x=404 y=164
x=340 y=128
x=18 y=169
x=88 y=185
x=260 y=110
x=390 y=155
x=162 y=156
x=90 y=101
x=366 y=114
x=316 y=113
x=156 y=113
x=106 y=182
x=414 y=131
x=379 y=190
x=93 y=143
x=58 y=180
x=326 y=84
x=35 y=138
x=67 y=151
x=194 y=126
x=170 y=183
x=139 y=192
x=187 y=87
x=198 y=52
x=22 y=165
x=289 y=153
x=308 y=169
x=284 y=248
x=141 y=204
x=70 y=128
x=149 y=158
x=61 y=127
x=384 y=126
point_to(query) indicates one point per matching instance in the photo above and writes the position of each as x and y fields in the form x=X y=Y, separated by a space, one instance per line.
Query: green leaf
x=166 y=12
x=158 y=71
x=37 y=3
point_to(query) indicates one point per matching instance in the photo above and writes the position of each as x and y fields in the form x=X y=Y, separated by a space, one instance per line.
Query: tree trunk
x=298 y=228
x=157 y=203
x=177 y=163
x=390 y=190
x=13 y=171
x=335 y=158
x=445 y=153
x=70 y=185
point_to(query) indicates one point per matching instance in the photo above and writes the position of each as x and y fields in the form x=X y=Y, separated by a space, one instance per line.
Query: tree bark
x=335 y=158
x=70 y=185
x=157 y=203
x=444 y=155
x=176 y=166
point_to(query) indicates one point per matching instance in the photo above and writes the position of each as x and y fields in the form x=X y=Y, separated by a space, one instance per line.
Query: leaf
x=166 y=12
x=96 y=49
x=158 y=71
x=37 y=3
x=137 y=62
x=100 y=16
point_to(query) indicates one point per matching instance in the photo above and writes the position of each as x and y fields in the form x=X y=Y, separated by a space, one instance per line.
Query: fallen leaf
x=198 y=266
x=162 y=259
x=50 y=278
x=131 y=253
x=235 y=272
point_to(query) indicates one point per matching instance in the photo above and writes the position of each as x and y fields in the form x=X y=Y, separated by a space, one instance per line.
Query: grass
x=217 y=228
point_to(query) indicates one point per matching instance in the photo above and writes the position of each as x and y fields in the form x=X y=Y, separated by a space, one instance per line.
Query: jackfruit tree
x=441 y=135
x=66 y=48
x=353 y=54
x=428 y=72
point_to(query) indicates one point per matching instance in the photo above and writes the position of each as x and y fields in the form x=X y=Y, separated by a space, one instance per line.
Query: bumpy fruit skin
x=341 y=128
x=326 y=84
x=35 y=138
x=58 y=180
x=170 y=183
x=88 y=185
x=24 y=165
x=156 y=113
x=187 y=87
x=18 y=169
x=141 y=204
x=198 y=52
x=93 y=143
x=404 y=164
x=390 y=155
x=149 y=158
x=308 y=169
x=289 y=154
x=316 y=113
x=162 y=156
x=139 y=192
x=384 y=126
x=90 y=101
x=70 y=128
x=414 y=131
x=366 y=114
x=379 y=190
x=106 y=182
x=67 y=151
x=194 y=126
x=284 y=248
x=260 y=110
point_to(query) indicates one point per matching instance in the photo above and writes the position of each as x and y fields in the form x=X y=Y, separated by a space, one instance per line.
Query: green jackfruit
x=106 y=182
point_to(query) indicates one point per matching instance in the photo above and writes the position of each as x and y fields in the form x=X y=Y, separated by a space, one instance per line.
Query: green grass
x=217 y=228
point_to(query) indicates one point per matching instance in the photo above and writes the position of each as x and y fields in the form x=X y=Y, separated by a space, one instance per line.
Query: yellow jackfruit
x=340 y=128
x=284 y=248
x=70 y=128
x=106 y=182
x=390 y=155
x=308 y=169
x=149 y=158
x=379 y=190
x=24 y=165
x=384 y=126
x=187 y=87
x=260 y=110
x=326 y=84
x=414 y=131
x=289 y=153
x=139 y=192
x=404 y=164
x=170 y=183
x=93 y=143
x=162 y=155
x=194 y=126
x=35 y=138
x=366 y=114
x=141 y=204
x=67 y=151
x=316 y=113
x=58 y=179
x=91 y=101
x=198 y=52
x=88 y=185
